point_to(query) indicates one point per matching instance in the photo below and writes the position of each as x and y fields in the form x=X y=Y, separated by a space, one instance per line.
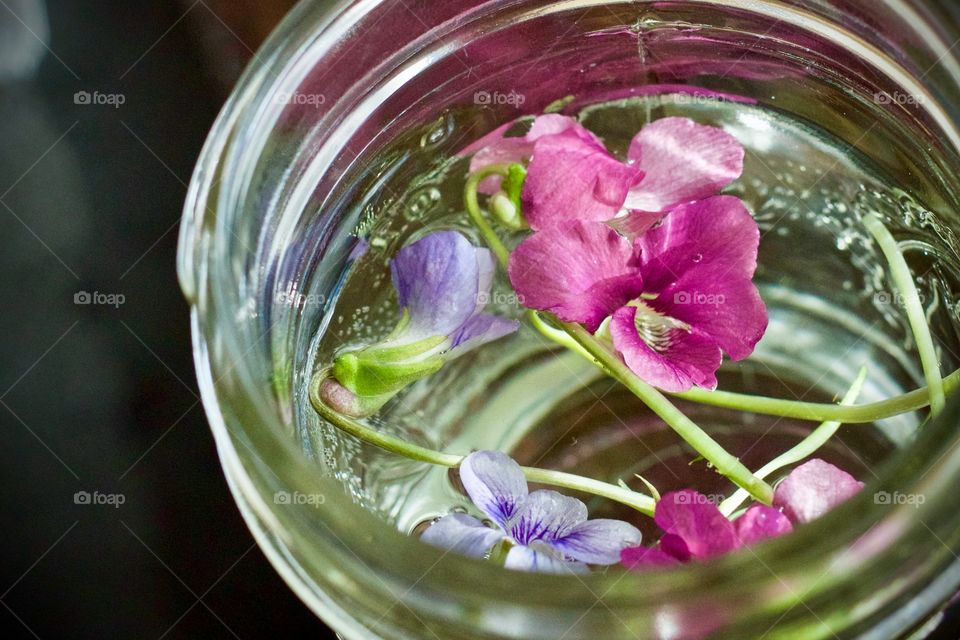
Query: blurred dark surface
x=101 y=397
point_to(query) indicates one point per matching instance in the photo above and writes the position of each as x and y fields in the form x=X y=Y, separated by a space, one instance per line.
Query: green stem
x=804 y=449
x=479 y=220
x=812 y=411
x=726 y=464
x=904 y=283
x=638 y=501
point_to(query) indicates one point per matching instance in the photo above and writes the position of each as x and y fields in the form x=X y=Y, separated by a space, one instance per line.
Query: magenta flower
x=694 y=529
x=545 y=530
x=678 y=296
x=572 y=176
x=813 y=489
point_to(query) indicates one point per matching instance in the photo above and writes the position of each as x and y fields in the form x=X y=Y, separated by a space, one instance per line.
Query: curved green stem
x=476 y=215
x=904 y=283
x=804 y=449
x=638 y=501
x=726 y=464
x=797 y=409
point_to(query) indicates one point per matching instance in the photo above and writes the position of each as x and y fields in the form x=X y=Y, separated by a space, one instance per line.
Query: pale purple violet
x=547 y=531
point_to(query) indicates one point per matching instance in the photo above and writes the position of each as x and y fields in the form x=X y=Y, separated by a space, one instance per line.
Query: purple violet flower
x=678 y=296
x=572 y=176
x=546 y=531
x=443 y=283
x=694 y=529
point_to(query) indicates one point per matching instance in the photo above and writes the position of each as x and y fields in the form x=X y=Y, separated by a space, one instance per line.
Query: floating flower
x=545 y=530
x=442 y=282
x=694 y=529
x=677 y=297
x=572 y=176
x=813 y=489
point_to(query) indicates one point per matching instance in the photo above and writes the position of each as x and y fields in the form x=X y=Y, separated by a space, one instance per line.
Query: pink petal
x=692 y=359
x=698 y=522
x=701 y=261
x=683 y=161
x=495 y=148
x=813 y=489
x=761 y=522
x=642 y=558
x=572 y=176
x=580 y=271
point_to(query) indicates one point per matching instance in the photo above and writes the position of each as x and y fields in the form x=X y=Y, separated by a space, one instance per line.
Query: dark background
x=102 y=398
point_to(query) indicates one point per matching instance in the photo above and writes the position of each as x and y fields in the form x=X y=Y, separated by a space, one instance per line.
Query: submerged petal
x=546 y=516
x=479 y=330
x=573 y=177
x=761 y=522
x=463 y=534
x=685 y=357
x=527 y=559
x=701 y=263
x=697 y=522
x=497 y=148
x=642 y=558
x=683 y=161
x=597 y=541
x=437 y=279
x=495 y=483
x=580 y=271
x=813 y=489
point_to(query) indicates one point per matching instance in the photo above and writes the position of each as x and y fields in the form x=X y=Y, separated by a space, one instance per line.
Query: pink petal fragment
x=692 y=358
x=572 y=176
x=683 y=161
x=580 y=271
x=698 y=522
x=701 y=261
x=646 y=558
x=761 y=522
x=495 y=148
x=813 y=489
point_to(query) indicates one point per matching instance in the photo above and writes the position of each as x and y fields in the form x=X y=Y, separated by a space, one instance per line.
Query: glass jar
x=347 y=101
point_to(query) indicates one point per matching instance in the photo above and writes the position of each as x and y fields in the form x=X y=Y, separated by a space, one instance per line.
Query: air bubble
x=421 y=203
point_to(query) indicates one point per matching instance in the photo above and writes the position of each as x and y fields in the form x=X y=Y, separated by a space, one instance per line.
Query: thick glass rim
x=212 y=286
